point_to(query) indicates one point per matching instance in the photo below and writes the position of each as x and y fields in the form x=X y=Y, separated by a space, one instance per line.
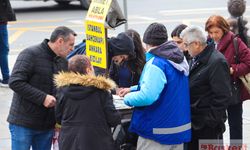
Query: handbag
x=246 y=81
x=245 y=78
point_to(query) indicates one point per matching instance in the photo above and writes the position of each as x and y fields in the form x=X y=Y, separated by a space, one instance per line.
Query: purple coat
x=226 y=47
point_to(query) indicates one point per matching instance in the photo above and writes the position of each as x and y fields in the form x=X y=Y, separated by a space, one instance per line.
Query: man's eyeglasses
x=187 y=44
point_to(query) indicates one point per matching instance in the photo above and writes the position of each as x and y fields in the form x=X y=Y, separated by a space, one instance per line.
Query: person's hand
x=231 y=70
x=117 y=90
x=123 y=92
x=50 y=101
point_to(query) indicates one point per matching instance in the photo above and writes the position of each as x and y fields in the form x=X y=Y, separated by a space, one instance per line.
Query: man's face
x=66 y=46
x=179 y=43
x=119 y=59
x=192 y=47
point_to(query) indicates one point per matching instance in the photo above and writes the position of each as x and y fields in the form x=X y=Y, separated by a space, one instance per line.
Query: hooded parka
x=86 y=112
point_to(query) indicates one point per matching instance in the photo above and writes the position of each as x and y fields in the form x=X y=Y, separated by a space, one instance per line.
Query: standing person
x=128 y=73
x=85 y=108
x=219 y=30
x=161 y=114
x=31 y=117
x=209 y=92
x=178 y=40
x=6 y=14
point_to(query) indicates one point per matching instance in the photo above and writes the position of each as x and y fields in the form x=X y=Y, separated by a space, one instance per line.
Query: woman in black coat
x=85 y=108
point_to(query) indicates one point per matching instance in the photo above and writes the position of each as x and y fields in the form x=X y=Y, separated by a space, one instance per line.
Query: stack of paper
x=118 y=102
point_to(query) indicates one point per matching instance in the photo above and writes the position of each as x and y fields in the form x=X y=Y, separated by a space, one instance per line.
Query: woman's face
x=215 y=33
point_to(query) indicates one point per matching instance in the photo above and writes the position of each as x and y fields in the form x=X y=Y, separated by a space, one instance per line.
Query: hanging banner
x=96 y=46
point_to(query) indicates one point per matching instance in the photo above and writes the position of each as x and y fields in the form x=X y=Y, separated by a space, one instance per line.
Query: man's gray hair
x=61 y=32
x=194 y=33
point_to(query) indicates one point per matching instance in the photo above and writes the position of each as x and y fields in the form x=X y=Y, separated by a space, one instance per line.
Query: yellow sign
x=96 y=46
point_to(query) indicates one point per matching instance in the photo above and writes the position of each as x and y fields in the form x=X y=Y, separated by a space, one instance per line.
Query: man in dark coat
x=210 y=91
x=85 y=108
x=31 y=117
x=6 y=14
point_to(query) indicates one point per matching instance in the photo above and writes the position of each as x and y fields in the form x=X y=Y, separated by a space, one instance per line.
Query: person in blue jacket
x=161 y=100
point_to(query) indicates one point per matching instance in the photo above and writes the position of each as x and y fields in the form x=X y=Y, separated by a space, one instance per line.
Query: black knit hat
x=155 y=34
x=121 y=45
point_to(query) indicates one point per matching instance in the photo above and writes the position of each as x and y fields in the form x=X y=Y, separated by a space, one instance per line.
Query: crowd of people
x=182 y=90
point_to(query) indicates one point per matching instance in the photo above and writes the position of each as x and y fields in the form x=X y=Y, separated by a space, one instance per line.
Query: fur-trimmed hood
x=70 y=78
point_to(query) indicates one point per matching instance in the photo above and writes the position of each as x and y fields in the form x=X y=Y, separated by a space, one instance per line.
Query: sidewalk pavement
x=6 y=97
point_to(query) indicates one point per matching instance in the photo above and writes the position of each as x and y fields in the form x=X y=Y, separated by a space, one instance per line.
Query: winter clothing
x=155 y=34
x=159 y=105
x=124 y=76
x=86 y=112
x=174 y=55
x=31 y=80
x=226 y=47
x=6 y=12
x=210 y=93
x=121 y=45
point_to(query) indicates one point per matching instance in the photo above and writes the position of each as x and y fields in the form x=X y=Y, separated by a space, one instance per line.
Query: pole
x=125 y=14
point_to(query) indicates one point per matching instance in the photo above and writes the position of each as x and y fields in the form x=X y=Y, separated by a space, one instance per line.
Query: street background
x=36 y=20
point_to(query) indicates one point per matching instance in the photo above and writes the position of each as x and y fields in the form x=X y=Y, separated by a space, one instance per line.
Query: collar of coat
x=225 y=41
x=70 y=78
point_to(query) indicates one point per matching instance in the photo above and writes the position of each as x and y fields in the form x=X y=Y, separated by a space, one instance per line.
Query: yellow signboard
x=98 y=10
x=96 y=46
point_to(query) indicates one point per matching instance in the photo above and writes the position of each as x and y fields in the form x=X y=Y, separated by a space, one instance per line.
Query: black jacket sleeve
x=59 y=106
x=19 y=79
x=220 y=83
x=112 y=115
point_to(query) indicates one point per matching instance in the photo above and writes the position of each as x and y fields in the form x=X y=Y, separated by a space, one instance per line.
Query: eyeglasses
x=187 y=44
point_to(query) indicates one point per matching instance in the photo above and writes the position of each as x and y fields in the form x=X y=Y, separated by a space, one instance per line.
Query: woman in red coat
x=219 y=30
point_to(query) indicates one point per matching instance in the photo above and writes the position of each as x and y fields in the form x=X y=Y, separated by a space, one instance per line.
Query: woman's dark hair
x=136 y=65
x=177 y=30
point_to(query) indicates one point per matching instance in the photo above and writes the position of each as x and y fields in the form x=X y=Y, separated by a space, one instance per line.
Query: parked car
x=84 y=3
